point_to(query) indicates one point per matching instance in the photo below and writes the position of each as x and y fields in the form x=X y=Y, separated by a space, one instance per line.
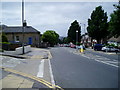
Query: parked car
x=73 y=46
x=61 y=45
x=110 y=49
x=65 y=45
x=98 y=47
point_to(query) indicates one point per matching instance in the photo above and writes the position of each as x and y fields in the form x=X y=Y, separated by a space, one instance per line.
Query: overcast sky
x=56 y=16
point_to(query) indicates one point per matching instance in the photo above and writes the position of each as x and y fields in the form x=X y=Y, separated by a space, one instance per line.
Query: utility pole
x=84 y=34
x=23 y=26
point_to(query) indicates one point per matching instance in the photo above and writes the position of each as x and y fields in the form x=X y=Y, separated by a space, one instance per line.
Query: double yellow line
x=46 y=83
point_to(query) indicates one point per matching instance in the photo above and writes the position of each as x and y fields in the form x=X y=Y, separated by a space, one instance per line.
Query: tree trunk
x=99 y=41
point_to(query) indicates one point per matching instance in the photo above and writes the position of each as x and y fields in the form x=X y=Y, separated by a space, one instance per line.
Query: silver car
x=110 y=49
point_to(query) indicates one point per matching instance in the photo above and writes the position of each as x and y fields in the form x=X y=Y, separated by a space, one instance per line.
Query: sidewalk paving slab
x=13 y=81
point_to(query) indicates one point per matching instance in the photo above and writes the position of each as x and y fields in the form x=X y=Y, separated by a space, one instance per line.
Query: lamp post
x=76 y=36
x=23 y=26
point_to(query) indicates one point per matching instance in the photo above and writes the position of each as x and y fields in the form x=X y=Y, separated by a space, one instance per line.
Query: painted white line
x=103 y=58
x=51 y=74
x=115 y=60
x=41 y=69
x=106 y=63
x=111 y=61
x=85 y=56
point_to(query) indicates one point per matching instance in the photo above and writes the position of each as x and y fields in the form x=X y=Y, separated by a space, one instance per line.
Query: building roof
x=113 y=39
x=18 y=29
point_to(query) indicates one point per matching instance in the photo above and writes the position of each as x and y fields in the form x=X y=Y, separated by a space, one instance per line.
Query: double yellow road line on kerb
x=44 y=82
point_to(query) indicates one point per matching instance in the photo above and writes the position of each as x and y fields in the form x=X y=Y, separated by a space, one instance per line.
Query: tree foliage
x=114 y=24
x=72 y=32
x=3 y=37
x=65 y=40
x=51 y=37
x=97 y=24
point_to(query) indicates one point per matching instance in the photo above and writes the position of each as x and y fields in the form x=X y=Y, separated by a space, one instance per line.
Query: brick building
x=14 y=34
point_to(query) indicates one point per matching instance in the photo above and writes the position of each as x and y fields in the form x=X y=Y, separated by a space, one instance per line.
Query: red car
x=73 y=46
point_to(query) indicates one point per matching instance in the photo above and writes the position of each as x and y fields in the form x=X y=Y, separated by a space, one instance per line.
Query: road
x=90 y=70
x=65 y=67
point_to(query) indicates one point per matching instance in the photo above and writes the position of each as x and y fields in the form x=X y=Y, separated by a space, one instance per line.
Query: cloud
x=52 y=15
x=60 y=0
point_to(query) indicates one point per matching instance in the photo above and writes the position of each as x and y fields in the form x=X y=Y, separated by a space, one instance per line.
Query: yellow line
x=48 y=84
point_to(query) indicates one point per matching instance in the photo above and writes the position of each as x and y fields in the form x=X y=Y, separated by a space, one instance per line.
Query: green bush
x=77 y=43
x=5 y=43
x=4 y=38
x=113 y=45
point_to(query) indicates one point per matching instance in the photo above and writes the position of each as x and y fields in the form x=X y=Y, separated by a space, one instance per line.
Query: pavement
x=31 y=70
x=28 y=54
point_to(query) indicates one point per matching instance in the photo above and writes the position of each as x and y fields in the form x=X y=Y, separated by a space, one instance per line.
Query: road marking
x=41 y=69
x=111 y=61
x=101 y=60
x=51 y=74
x=46 y=83
x=106 y=63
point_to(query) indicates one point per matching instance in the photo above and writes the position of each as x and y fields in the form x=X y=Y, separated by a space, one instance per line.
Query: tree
x=51 y=37
x=65 y=40
x=98 y=25
x=72 y=32
x=4 y=38
x=114 y=24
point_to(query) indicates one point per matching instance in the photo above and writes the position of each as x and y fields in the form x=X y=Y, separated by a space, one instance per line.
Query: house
x=86 y=40
x=15 y=34
x=115 y=41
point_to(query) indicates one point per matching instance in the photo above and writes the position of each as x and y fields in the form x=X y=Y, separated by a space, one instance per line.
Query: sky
x=56 y=16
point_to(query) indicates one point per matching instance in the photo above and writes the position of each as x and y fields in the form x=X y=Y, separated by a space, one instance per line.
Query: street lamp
x=23 y=25
x=76 y=36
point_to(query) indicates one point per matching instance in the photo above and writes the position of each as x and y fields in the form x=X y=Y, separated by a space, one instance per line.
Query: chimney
x=24 y=23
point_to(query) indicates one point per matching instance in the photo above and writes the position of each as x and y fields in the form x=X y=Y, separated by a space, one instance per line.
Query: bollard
x=82 y=50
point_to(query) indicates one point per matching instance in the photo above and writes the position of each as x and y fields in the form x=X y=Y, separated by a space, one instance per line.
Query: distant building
x=86 y=40
x=113 y=39
x=14 y=34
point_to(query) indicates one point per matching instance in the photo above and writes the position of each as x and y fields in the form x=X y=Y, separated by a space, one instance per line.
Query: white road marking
x=106 y=63
x=111 y=61
x=100 y=59
x=41 y=69
x=51 y=74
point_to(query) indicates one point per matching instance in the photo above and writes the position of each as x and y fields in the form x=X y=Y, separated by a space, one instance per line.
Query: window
x=17 y=39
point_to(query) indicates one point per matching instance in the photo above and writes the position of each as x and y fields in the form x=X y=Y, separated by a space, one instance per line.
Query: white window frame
x=17 y=39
